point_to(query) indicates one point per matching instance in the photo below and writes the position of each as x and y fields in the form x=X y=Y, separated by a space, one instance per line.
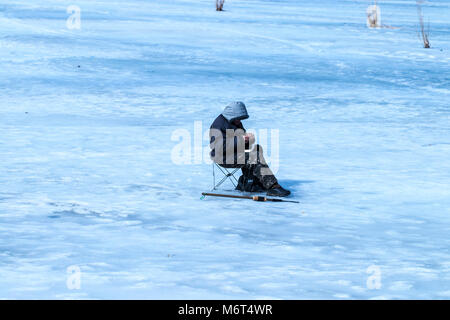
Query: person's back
x=226 y=127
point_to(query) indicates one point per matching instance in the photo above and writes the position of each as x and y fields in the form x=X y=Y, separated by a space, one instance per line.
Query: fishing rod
x=254 y=198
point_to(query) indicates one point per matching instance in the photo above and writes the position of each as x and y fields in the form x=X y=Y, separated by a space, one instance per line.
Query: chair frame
x=227 y=175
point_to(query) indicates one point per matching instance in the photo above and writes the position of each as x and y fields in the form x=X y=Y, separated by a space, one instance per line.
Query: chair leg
x=228 y=174
x=214 y=177
x=233 y=177
x=220 y=182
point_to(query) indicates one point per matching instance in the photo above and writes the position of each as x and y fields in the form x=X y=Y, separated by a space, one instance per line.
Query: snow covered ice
x=87 y=180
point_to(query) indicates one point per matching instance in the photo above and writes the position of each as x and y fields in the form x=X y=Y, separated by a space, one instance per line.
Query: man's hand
x=249 y=138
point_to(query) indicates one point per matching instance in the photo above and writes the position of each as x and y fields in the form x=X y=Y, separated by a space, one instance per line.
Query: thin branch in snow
x=424 y=33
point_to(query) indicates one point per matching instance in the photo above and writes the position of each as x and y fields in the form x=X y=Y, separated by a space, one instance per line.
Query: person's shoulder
x=219 y=122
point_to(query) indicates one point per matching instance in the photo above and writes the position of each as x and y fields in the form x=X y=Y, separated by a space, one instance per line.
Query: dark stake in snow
x=219 y=5
x=423 y=33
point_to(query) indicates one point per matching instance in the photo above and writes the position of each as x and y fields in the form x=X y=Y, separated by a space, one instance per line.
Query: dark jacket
x=218 y=134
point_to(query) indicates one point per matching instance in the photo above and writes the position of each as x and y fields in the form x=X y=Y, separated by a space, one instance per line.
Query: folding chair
x=227 y=175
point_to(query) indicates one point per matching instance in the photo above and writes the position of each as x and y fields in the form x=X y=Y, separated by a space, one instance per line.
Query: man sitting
x=232 y=147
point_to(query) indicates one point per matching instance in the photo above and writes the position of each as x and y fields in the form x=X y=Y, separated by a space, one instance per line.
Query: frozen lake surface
x=87 y=180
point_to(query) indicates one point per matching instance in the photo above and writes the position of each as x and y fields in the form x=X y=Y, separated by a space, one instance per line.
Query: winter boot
x=278 y=191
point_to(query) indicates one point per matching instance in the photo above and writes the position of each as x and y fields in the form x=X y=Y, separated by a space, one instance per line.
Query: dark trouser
x=255 y=166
